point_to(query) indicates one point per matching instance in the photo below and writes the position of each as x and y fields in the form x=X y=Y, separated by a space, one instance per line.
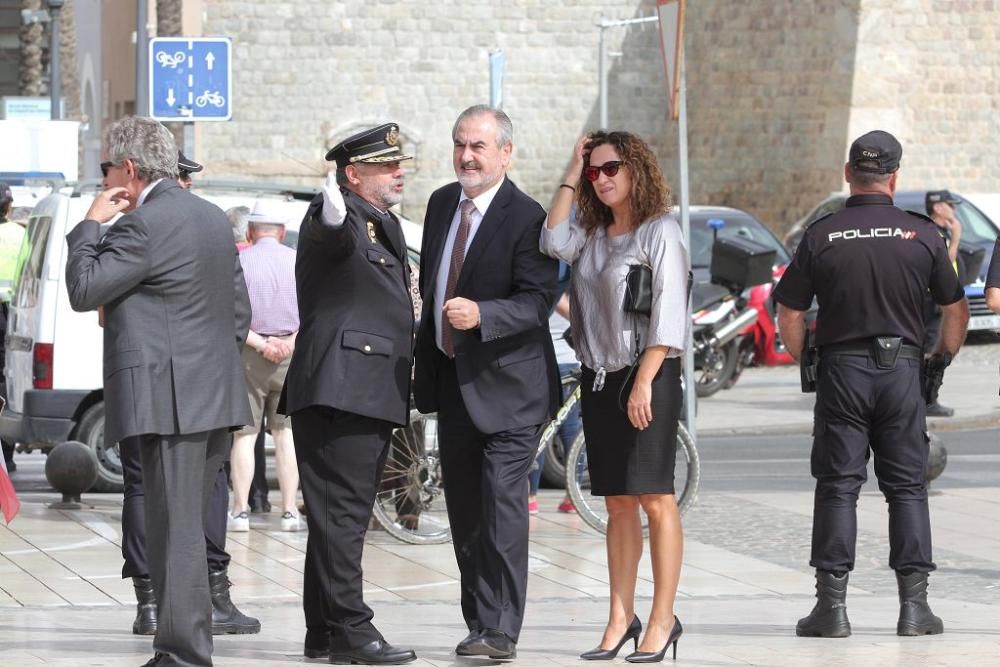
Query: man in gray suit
x=170 y=282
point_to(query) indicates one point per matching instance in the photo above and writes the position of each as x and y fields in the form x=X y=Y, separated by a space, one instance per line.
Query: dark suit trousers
x=179 y=472
x=486 y=489
x=341 y=456
x=134 y=521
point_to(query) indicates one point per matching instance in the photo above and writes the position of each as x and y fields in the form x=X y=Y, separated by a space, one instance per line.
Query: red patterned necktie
x=454 y=271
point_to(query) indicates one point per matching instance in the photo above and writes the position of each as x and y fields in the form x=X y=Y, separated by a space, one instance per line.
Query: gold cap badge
x=392 y=136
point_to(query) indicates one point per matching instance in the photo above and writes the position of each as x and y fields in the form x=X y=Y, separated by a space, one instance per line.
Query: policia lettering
x=868 y=377
x=873 y=233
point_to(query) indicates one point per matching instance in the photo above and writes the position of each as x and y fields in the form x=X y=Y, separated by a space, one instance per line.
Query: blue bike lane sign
x=190 y=78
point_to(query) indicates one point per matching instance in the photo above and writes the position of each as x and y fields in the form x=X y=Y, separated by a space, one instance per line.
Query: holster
x=809 y=365
x=886 y=351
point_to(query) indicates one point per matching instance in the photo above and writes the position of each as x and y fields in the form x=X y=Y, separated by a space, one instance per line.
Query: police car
x=55 y=355
x=979 y=233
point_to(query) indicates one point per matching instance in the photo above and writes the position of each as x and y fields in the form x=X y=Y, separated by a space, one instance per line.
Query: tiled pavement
x=744 y=583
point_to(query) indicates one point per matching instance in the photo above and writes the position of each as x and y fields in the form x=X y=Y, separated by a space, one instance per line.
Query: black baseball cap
x=876 y=152
x=937 y=196
x=185 y=163
x=379 y=144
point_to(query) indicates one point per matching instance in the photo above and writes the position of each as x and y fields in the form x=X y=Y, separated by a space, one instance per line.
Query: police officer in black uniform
x=348 y=383
x=869 y=266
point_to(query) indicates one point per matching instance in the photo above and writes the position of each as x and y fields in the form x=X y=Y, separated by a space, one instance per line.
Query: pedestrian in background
x=993 y=280
x=176 y=311
x=940 y=206
x=571 y=425
x=185 y=167
x=348 y=384
x=869 y=266
x=623 y=219
x=485 y=364
x=269 y=270
x=238 y=216
x=11 y=235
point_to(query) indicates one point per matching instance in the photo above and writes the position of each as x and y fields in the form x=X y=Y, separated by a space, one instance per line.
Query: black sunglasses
x=105 y=166
x=609 y=168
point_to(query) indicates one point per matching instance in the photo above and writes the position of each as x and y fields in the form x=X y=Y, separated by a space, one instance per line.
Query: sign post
x=190 y=78
x=672 y=43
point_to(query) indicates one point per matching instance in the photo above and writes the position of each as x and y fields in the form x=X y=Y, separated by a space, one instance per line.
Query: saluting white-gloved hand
x=334 y=209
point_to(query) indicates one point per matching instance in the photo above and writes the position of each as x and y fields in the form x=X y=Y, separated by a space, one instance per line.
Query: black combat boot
x=145 y=609
x=226 y=618
x=915 y=616
x=829 y=617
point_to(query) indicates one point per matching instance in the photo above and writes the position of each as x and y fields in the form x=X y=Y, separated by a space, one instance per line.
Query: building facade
x=777 y=89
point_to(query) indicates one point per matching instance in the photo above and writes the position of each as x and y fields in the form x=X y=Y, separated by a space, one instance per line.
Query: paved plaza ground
x=745 y=579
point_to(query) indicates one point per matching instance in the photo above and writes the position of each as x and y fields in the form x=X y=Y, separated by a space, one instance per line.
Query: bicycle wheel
x=687 y=474
x=410 y=503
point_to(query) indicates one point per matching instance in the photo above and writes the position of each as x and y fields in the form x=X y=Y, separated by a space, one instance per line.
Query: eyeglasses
x=610 y=170
x=106 y=166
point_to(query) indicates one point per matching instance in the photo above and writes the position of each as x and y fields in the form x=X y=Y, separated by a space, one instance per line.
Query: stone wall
x=776 y=89
x=931 y=76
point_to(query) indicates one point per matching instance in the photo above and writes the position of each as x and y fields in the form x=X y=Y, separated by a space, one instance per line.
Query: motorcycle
x=721 y=315
x=719 y=318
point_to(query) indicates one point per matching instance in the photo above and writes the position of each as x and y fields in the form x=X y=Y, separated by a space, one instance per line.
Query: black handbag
x=638 y=290
x=639 y=300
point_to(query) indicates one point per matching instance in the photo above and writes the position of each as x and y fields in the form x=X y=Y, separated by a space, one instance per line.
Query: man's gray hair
x=505 y=129
x=866 y=179
x=147 y=143
x=238 y=216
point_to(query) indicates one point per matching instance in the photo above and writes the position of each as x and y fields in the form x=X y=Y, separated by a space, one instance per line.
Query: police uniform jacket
x=354 y=348
x=870 y=267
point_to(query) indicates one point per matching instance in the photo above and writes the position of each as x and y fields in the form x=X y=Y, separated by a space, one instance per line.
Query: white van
x=55 y=355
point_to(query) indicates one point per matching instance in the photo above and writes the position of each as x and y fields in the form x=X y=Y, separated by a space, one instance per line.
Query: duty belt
x=885 y=350
x=866 y=348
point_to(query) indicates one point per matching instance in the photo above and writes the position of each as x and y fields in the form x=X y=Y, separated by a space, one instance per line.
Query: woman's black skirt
x=623 y=460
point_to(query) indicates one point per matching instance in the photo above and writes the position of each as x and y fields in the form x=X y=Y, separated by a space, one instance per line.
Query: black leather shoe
x=259 y=505
x=145 y=608
x=226 y=618
x=378 y=652
x=493 y=644
x=157 y=659
x=463 y=646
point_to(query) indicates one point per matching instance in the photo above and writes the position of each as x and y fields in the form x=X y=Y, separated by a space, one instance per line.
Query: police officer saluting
x=348 y=383
x=870 y=266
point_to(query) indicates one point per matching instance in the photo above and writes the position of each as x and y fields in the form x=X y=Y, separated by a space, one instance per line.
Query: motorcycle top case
x=741 y=262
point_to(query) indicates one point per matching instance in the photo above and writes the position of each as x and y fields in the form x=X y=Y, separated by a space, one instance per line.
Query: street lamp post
x=55 y=79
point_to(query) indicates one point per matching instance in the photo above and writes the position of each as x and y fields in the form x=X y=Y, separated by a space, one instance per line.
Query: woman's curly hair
x=650 y=195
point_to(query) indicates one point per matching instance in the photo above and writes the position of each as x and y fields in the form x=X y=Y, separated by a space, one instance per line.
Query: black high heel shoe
x=675 y=634
x=632 y=632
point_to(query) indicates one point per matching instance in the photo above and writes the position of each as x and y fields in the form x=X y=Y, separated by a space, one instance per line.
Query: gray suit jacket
x=170 y=281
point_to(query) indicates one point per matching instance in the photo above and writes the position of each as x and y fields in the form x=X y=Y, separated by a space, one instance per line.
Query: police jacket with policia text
x=354 y=348
x=870 y=266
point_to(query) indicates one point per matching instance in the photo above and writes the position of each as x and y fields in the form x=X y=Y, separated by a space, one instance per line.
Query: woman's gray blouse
x=603 y=333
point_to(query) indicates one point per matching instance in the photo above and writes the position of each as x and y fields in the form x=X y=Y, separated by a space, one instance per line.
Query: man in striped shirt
x=269 y=270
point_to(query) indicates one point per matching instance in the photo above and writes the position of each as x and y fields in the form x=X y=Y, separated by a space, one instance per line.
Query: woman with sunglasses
x=623 y=220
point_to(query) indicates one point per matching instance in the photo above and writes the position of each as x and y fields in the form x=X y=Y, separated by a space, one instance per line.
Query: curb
x=936 y=424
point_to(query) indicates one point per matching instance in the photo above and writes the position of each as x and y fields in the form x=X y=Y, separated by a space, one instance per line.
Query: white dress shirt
x=482 y=204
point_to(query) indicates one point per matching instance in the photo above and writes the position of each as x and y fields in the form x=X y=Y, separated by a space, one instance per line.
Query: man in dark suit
x=348 y=383
x=226 y=618
x=175 y=312
x=485 y=363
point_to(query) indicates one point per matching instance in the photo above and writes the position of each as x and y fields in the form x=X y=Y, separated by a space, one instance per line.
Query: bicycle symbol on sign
x=171 y=61
x=210 y=97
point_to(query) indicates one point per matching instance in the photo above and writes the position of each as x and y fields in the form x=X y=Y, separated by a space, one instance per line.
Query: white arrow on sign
x=209 y=61
x=170 y=97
